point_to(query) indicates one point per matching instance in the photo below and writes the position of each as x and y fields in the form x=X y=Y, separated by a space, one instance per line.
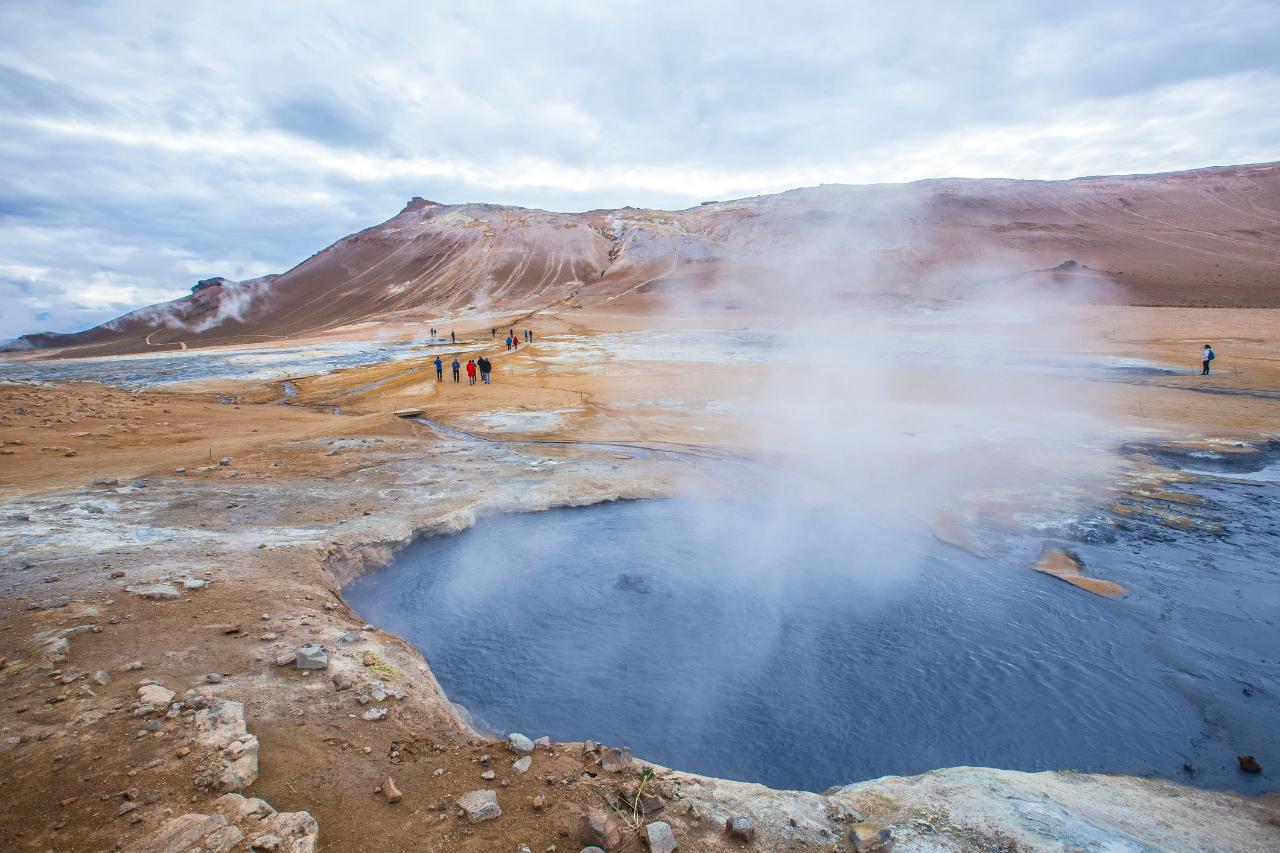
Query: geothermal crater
x=805 y=650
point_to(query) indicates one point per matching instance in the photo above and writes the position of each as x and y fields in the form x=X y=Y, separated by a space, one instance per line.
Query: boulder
x=614 y=760
x=479 y=806
x=519 y=744
x=595 y=827
x=522 y=765
x=870 y=836
x=660 y=838
x=159 y=592
x=155 y=694
x=740 y=828
x=312 y=656
x=221 y=727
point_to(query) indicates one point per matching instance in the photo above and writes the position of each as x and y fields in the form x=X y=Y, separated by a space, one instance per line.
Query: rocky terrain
x=179 y=670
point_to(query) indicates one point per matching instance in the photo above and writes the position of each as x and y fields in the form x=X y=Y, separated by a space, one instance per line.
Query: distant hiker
x=456 y=368
x=1206 y=356
x=493 y=334
x=508 y=343
x=453 y=337
x=529 y=336
x=471 y=372
x=439 y=369
x=515 y=343
x=486 y=367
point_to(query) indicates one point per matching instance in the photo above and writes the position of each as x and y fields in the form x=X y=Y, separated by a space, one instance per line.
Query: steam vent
x=765 y=441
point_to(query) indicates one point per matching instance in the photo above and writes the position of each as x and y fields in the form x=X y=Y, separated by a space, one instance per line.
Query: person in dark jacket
x=456 y=367
x=1206 y=356
x=486 y=367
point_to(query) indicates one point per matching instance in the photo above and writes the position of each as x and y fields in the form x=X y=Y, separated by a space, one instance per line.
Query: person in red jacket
x=471 y=371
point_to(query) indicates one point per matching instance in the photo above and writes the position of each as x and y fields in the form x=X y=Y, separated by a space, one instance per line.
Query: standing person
x=515 y=343
x=508 y=343
x=493 y=333
x=439 y=369
x=453 y=337
x=486 y=367
x=471 y=372
x=456 y=368
x=1206 y=356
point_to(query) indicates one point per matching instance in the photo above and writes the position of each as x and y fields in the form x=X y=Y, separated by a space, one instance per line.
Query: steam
x=230 y=301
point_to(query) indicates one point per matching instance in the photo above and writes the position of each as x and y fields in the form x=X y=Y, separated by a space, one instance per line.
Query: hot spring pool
x=701 y=636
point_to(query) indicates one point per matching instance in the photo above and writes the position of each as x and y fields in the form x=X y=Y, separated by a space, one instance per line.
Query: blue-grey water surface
x=683 y=630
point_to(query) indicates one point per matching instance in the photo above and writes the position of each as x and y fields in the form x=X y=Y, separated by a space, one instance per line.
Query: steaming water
x=642 y=624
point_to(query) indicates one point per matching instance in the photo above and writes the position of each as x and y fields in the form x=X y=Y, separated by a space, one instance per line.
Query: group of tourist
x=481 y=367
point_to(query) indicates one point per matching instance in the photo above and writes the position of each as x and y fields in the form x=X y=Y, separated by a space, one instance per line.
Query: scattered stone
x=154 y=694
x=597 y=828
x=213 y=677
x=194 y=584
x=224 y=461
x=390 y=791
x=126 y=807
x=522 y=765
x=221 y=727
x=519 y=744
x=180 y=470
x=488 y=775
x=614 y=760
x=538 y=803
x=312 y=656
x=479 y=806
x=101 y=678
x=286 y=658
x=374 y=714
x=543 y=742
x=183 y=752
x=265 y=842
x=106 y=481
x=740 y=828
x=870 y=836
x=160 y=592
x=137 y=484
x=133 y=666
x=117 y=574
x=341 y=681
x=660 y=838
x=56 y=650
x=1249 y=764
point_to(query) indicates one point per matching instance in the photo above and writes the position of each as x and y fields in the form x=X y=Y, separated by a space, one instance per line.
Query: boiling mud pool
x=682 y=630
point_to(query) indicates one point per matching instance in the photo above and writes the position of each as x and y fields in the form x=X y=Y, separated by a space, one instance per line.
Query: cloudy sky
x=146 y=145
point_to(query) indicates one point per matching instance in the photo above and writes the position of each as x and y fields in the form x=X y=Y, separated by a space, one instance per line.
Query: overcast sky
x=146 y=145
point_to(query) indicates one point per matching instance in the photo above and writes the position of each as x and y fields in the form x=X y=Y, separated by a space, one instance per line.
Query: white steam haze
x=146 y=145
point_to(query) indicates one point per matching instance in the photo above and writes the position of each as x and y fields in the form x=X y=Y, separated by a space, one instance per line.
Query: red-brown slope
x=1204 y=237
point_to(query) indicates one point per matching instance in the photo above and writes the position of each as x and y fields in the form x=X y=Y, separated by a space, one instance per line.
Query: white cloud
x=141 y=141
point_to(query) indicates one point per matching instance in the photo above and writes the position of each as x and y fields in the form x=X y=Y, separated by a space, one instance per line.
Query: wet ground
x=732 y=640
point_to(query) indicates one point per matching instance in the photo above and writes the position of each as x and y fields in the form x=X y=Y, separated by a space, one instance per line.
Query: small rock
x=341 y=681
x=522 y=765
x=265 y=842
x=543 y=742
x=740 y=828
x=479 y=806
x=213 y=677
x=126 y=807
x=488 y=775
x=596 y=827
x=1249 y=764
x=869 y=836
x=374 y=714
x=312 y=656
x=519 y=744
x=538 y=803
x=154 y=694
x=390 y=791
x=660 y=838
x=106 y=481
x=160 y=592
x=286 y=658
x=133 y=666
x=101 y=678
x=194 y=583
x=183 y=752
x=614 y=760
x=224 y=461
x=117 y=574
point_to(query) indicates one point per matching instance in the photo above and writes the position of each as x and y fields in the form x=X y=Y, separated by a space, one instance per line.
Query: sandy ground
x=308 y=498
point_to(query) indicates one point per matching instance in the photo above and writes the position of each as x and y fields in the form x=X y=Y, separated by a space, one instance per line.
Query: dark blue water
x=717 y=639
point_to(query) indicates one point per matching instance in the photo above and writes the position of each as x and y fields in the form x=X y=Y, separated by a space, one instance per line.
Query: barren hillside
x=1209 y=237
